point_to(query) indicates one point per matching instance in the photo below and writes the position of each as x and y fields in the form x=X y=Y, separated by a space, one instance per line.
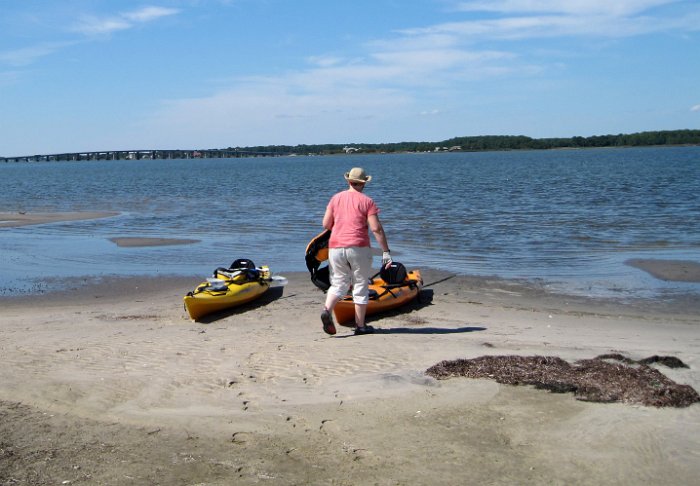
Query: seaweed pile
x=605 y=378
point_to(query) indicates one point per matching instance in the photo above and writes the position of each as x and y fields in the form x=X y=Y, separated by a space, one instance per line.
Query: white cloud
x=576 y=7
x=91 y=25
x=324 y=61
x=87 y=25
x=327 y=100
x=548 y=26
x=27 y=55
x=695 y=108
x=522 y=19
x=286 y=108
x=146 y=14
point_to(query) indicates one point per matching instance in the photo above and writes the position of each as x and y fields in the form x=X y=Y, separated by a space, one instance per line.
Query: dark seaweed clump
x=606 y=378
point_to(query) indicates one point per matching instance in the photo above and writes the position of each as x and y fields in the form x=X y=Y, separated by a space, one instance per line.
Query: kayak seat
x=242 y=263
x=394 y=273
x=238 y=275
x=321 y=277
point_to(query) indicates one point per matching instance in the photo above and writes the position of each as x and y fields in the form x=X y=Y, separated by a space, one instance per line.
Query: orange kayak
x=382 y=297
x=390 y=288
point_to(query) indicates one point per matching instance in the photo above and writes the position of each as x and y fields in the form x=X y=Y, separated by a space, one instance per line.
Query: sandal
x=359 y=331
x=327 y=320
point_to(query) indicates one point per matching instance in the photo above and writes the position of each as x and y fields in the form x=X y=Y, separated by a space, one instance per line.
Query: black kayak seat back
x=394 y=273
x=242 y=263
x=241 y=270
x=316 y=254
x=321 y=277
x=317 y=250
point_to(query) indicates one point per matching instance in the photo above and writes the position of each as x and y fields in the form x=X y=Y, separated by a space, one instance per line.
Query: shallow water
x=569 y=218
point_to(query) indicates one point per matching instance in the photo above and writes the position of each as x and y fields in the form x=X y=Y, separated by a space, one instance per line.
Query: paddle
x=439 y=281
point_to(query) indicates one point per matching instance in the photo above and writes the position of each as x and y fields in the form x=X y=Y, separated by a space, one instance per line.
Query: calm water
x=567 y=218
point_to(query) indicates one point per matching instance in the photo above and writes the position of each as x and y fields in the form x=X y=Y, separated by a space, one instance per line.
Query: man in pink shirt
x=349 y=215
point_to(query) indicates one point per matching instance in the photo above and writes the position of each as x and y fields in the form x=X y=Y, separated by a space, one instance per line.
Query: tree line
x=490 y=142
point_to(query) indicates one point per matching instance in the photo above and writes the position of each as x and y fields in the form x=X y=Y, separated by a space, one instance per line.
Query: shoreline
x=378 y=152
x=493 y=290
x=109 y=382
x=662 y=269
x=641 y=278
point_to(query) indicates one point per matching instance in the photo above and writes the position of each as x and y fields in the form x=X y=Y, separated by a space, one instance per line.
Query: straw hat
x=357 y=174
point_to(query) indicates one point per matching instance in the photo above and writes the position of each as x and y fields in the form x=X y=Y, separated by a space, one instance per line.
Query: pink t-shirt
x=350 y=210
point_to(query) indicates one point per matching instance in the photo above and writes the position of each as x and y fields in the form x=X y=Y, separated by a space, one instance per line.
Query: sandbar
x=109 y=382
x=669 y=270
x=137 y=241
x=15 y=219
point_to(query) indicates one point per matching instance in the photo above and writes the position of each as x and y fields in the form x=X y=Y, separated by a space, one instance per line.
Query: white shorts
x=351 y=266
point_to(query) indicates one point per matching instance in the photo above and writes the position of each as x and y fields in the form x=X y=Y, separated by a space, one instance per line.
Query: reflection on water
x=570 y=218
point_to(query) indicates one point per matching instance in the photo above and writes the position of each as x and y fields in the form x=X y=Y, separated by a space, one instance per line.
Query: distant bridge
x=142 y=155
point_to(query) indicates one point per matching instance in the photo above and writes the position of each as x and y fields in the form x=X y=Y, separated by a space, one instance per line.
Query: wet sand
x=131 y=242
x=12 y=220
x=15 y=219
x=669 y=270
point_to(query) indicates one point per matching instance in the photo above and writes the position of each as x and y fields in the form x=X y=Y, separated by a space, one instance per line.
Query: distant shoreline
x=479 y=143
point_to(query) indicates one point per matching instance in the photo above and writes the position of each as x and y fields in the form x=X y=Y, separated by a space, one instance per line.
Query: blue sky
x=83 y=75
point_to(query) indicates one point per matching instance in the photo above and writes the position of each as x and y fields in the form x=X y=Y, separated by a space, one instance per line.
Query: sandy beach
x=110 y=383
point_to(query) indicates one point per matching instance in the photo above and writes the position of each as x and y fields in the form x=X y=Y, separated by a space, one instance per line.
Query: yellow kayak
x=230 y=287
